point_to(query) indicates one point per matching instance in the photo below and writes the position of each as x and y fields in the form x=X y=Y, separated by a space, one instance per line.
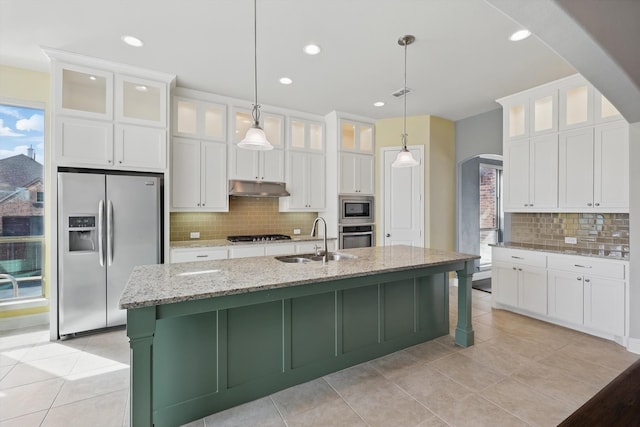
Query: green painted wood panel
x=433 y=305
x=313 y=329
x=185 y=364
x=254 y=342
x=399 y=309
x=360 y=318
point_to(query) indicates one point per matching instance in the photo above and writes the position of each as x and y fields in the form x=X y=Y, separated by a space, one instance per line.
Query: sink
x=293 y=259
x=334 y=256
x=302 y=258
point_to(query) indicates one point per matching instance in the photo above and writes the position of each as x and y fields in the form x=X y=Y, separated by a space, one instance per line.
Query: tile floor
x=520 y=372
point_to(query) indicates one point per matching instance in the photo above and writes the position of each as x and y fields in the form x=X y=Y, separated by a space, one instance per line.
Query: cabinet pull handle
x=516 y=257
x=587 y=280
x=582 y=266
x=514 y=268
x=597 y=204
x=589 y=204
x=578 y=278
x=202 y=256
x=519 y=269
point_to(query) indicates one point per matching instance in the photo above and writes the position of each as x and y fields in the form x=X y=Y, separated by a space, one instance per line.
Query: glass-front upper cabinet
x=576 y=103
x=199 y=119
x=272 y=124
x=84 y=92
x=141 y=101
x=306 y=135
x=531 y=114
x=604 y=111
x=356 y=136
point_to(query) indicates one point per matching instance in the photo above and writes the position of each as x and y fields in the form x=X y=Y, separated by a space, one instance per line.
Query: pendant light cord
x=404 y=97
x=255 y=112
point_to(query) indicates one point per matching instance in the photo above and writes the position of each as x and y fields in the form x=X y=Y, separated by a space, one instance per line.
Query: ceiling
x=460 y=63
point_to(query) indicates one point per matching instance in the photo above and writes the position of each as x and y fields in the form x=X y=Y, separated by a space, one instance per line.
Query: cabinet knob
x=578 y=278
x=589 y=204
x=108 y=161
x=531 y=204
x=203 y=204
x=120 y=161
x=519 y=269
x=597 y=204
x=525 y=205
x=388 y=235
x=587 y=280
x=198 y=204
x=514 y=268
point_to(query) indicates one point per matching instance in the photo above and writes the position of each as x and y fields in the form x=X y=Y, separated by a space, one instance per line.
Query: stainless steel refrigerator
x=107 y=224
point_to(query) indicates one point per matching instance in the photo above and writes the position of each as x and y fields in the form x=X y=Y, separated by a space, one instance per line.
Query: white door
x=403 y=200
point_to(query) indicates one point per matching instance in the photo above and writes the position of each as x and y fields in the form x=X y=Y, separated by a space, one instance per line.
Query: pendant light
x=255 y=139
x=405 y=158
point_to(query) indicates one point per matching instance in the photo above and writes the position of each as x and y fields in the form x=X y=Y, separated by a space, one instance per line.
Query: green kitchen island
x=206 y=336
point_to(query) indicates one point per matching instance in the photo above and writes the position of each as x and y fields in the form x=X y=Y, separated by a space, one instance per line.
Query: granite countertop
x=596 y=253
x=191 y=244
x=159 y=284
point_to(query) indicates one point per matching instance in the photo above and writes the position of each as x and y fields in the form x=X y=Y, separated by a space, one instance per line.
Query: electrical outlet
x=194 y=235
x=296 y=231
x=571 y=240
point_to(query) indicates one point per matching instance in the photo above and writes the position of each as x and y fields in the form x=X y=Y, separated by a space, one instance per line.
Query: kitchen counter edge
x=559 y=250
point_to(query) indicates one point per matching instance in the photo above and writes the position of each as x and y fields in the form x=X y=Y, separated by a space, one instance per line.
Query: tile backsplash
x=600 y=233
x=247 y=215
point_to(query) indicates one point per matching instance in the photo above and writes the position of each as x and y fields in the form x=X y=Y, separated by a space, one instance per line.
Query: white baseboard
x=482 y=275
x=19 y=322
x=633 y=345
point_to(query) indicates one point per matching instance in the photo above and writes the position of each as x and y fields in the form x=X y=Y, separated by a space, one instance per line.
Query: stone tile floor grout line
x=324 y=378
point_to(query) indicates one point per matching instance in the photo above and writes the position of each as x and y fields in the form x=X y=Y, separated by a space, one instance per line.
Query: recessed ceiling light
x=519 y=35
x=312 y=49
x=132 y=41
x=285 y=80
x=378 y=104
x=142 y=88
x=93 y=78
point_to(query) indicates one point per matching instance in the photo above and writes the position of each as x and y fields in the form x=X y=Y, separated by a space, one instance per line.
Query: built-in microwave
x=356 y=210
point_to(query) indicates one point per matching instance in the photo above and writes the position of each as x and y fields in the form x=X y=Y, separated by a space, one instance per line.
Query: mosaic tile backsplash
x=247 y=215
x=599 y=233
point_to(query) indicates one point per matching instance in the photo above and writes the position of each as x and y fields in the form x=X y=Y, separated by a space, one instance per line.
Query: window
x=21 y=201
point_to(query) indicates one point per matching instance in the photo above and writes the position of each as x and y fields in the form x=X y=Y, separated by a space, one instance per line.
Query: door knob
x=388 y=235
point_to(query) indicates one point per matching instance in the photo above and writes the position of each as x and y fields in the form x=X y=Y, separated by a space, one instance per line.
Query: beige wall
x=437 y=135
x=22 y=86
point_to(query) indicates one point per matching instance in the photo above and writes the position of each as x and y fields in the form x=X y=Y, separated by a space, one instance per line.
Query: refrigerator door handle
x=100 y=232
x=109 y=233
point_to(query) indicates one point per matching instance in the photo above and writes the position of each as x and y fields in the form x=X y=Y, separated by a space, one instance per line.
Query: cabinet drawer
x=276 y=249
x=200 y=254
x=588 y=266
x=520 y=257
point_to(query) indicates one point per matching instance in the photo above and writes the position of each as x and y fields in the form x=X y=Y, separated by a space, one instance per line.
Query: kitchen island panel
x=313 y=329
x=360 y=318
x=399 y=309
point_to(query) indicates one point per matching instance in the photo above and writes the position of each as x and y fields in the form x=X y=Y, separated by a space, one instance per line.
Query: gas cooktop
x=258 y=238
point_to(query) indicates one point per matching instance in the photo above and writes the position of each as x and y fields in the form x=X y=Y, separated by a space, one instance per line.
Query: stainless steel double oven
x=356 y=222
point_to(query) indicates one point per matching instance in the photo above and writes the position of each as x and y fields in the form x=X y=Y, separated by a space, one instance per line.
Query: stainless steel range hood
x=257 y=189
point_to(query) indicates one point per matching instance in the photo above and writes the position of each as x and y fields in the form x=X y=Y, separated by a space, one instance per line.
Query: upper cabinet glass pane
x=297 y=134
x=214 y=117
x=543 y=114
x=517 y=120
x=187 y=118
x=348 y=136
x=273 y=129
x=577 y=105
x=243 y=123
x=366 y=138
x=84 y=92
x=315 y=136
x=608 y=109
x=141 y=101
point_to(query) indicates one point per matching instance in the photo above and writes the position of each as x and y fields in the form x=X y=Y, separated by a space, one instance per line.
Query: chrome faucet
x=313 y=232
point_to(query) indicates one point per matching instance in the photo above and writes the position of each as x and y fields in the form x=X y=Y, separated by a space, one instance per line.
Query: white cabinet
x=246 y=251
x=593 y=169
x=199 y=119
x=531 y=174
x=582 y=105
x=356 y=174
x=257 y=165
x=198 y=254
x=280 y=249
x=198 y=179
x=519 y=279
x=356 y=136
x=306 y=135
x=532 y=113
x=107 y=116
x=589 y=292
x=305 y=182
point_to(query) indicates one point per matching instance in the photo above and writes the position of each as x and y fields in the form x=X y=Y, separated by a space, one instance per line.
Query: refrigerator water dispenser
x=83 y=234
